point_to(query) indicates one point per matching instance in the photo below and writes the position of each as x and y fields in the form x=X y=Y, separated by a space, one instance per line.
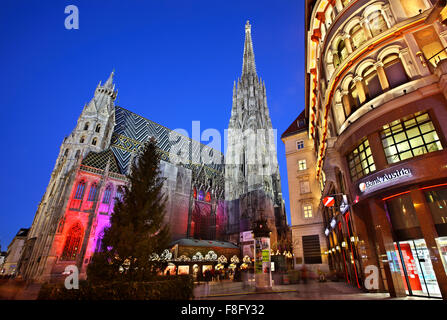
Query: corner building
x=376 y=99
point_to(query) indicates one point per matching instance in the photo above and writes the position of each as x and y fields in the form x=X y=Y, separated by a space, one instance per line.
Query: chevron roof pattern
x=132 y=130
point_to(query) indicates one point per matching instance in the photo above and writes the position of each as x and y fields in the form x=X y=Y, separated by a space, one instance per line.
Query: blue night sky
x=175 y=62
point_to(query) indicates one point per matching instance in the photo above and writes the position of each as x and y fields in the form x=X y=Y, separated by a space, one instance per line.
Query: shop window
x=377 y=23
x=372 y=82
x=311 y=249
x=360 y=161
x=394 y=70
x=358 y=36
x=403 y=218
x=437 y=201
x=409 y=137
x=302 y=165
x=442 y=247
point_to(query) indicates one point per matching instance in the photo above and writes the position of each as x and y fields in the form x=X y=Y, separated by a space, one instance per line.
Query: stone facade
x=252 y=181
x=304 y=193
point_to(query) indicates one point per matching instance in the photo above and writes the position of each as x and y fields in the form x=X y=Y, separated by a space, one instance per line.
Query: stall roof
x=204 y=243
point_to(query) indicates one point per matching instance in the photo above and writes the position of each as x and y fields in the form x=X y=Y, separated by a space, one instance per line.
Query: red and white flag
x=329 y=201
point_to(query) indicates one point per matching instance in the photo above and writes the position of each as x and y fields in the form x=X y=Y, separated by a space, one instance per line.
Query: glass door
x=416 y=268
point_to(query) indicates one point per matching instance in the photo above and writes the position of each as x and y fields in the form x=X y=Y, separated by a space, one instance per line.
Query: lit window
x=302 y=165
x=360 y=161
x=208 y=197
x=73 y=243
x=80 y=190
x=300 y=144
x=307 y=211
x=409 y=137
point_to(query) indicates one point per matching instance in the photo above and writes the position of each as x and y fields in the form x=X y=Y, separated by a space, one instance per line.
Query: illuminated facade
x=376 y=99
x=93 y=163
x=252 y=181
x=308 y=239
x=96 y=157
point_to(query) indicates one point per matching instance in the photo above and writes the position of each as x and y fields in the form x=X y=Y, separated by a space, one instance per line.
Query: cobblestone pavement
x=313 y=290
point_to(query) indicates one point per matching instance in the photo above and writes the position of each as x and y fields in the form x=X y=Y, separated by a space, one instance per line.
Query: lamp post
x=263 y=273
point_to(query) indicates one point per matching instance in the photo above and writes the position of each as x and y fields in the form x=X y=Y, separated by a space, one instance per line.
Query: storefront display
x=183 y=270
x=418 y=268
x=442 y=246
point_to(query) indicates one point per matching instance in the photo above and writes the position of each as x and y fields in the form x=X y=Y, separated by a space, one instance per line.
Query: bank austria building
x=376 y=100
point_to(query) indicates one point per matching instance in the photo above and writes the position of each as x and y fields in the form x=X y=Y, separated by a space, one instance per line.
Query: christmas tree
x=137 y=226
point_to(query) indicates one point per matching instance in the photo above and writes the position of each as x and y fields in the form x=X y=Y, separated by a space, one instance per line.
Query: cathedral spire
x=248 y=66
x=109 y=82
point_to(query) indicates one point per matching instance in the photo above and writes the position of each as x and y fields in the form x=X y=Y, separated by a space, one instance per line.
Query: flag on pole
x=329 y=201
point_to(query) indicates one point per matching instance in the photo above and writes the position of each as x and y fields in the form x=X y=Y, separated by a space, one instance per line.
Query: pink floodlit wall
x=81 y=211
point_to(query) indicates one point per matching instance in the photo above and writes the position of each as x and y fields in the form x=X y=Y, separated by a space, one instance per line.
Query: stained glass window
x=208 y=197
x=80 y=190
x=73 y=242
x=107 y=194
x=92 y=193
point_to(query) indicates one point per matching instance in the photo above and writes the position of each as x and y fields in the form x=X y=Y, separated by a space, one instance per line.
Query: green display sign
x=265 y=255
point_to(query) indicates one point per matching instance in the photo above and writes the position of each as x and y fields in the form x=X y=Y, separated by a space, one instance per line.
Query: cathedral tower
x=92 y=133
x=252 y=181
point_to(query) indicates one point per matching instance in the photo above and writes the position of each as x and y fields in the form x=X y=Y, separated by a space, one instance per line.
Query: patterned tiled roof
x=132 y=130
x=99 y=160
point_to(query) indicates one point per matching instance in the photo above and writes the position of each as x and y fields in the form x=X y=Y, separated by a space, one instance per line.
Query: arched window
x=94 y=141
x=92 y=193
x=119 y=194
x=372 y=83
x=377 y=23
x=78 y=153
x=394 y=70
x=358 y=36
x=99 y=242
x=80 y=190
x=201 y=195
x=107 y=194
x=413 y=7
x=354 y=100
x=342 y=51
x=98 y=128
x=66 y=152
x=82 y=139
x=208 y=197
x=73 y=242
x=86 y=126
x=195 y=193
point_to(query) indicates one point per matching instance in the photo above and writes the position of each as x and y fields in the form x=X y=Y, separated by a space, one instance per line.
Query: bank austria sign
x=385 y=180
